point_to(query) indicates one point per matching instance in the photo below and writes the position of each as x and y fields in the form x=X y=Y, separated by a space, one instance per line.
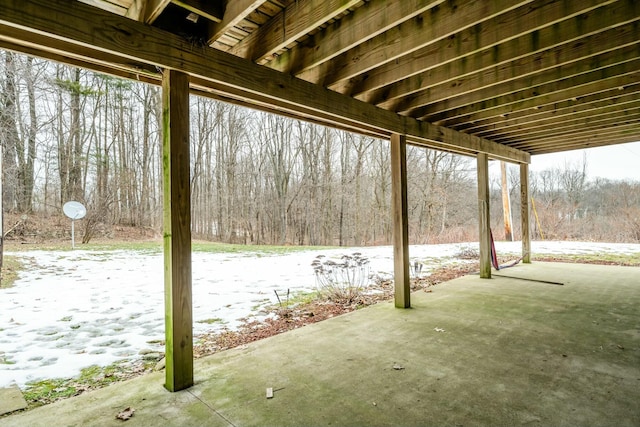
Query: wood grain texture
x=484 y=217
x=296 y=20
x=546 y=94
x=235 y=11
x=400 y=210
x=107 y=33
x=435 y=24
x=550 y=80
x=597 y=103
x=374 y=18
x=468 y=76
x=592 y=122
x=524 y=213
x=210 y=10
x=586 y=136
x=499 y=40
x=177 y=231
x=152 y=10
x=626 y=137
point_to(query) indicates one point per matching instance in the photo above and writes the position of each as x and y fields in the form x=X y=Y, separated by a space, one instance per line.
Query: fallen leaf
x=125 y=414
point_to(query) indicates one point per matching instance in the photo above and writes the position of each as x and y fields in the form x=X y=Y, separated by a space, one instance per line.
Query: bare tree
x=9 y=135
x=281 y=156
x=256 y=178
x=573 y=181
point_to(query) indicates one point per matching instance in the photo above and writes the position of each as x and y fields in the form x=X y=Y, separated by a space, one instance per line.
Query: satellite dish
x=74 y=210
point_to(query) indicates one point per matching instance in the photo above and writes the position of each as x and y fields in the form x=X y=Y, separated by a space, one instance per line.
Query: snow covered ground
x=70 y=310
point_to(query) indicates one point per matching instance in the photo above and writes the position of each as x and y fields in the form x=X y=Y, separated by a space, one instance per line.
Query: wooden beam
x=433 y=25
x=146 y=11
x=206 y=9
x=584 y=93
x=235 y=11
x=177 y=231
x=153 y=9
x=598 y=80
x=442 y=147
x=583 y=136
x=484 y=218
x=498 y=41
x=624 y=111
x=295 y=21
x=612 y=99
x=371 y=19
x=197 y=87
x=550 y=80
x=142 y=43
x=592 y=143
x=142 y=74
x=468 y=76
x=594 y=122
x=111 y=7
x=400 y=211
x=136 y=10
x=524 y=213
x=147 y=74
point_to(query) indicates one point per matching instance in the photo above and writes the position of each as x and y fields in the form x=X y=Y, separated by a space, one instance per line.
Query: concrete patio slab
x=504 y=351
x=11 y=400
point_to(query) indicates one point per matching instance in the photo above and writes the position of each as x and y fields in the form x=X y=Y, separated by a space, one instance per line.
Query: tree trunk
x=506 y=203
x=10 y=138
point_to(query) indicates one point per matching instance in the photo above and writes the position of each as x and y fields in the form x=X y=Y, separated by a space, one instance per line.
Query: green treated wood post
x=484 y=219
x=177 y=231
x=524 y=213
x=400 y=221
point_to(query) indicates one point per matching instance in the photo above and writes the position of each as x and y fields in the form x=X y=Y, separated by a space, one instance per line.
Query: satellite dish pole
x=74 y=210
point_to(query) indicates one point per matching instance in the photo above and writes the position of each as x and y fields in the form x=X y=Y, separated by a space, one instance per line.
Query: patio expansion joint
x=211 y=408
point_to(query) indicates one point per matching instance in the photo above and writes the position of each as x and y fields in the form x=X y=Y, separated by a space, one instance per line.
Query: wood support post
x=177 y=231
x=400 y=220
x=524 y=212
x=484 y=219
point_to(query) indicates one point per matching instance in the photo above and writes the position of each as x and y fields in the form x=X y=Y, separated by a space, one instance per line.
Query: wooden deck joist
x=476 y=50
x=81 y=28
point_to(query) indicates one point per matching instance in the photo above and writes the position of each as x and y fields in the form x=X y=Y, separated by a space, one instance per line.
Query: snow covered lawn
x=70 y=310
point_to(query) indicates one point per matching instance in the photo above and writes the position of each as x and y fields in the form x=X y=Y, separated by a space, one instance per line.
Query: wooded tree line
x=71 y=134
